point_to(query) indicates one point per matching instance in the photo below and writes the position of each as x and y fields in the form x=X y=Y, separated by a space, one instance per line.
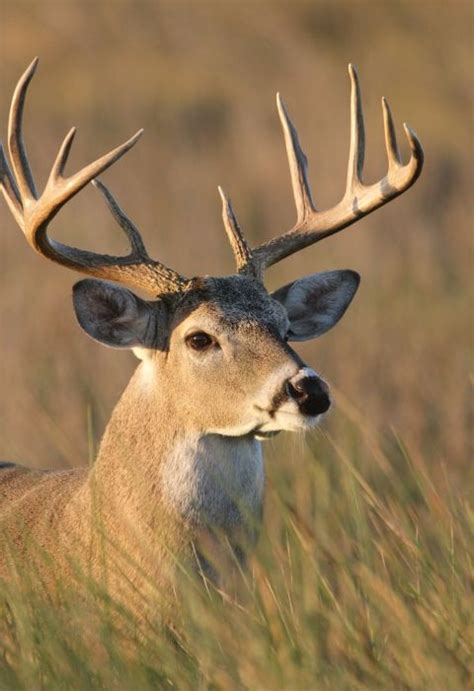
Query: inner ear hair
x=111 y=314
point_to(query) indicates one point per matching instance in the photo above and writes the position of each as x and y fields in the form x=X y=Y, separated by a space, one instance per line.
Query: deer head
x=219 y=347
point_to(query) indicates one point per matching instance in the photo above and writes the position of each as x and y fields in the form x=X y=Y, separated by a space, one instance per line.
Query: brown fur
x=117 y=519
x=178 y=480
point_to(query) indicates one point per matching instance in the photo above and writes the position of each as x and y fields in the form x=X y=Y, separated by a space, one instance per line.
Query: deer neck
x=151 y=465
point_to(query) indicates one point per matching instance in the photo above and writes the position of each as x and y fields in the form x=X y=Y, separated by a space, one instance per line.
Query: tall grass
x=361 y=580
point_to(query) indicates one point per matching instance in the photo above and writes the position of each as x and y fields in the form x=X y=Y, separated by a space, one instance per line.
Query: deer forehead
x=232 y=304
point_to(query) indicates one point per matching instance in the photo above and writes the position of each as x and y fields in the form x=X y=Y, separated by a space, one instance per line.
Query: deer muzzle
x=309 y=391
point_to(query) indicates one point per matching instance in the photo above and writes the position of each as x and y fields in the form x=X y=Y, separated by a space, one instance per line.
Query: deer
x=179 y=473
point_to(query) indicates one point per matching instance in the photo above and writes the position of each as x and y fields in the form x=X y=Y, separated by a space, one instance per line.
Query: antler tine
x=130 y=229
x=298 y=164
x=33 y=213
x=163 y=277
x=169 y=279
x=16 y=146
x=357 y=141
x=358 y=200
x=391 y=145
x=240 y=248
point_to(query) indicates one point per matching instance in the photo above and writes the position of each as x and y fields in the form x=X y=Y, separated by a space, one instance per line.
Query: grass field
x=362 y=580
x=363 y=575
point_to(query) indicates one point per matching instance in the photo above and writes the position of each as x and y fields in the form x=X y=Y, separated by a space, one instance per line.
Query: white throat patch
x=215 y=481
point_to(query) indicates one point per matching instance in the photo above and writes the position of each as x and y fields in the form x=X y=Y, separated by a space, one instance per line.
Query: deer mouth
x=263 y=436
x=287 y=418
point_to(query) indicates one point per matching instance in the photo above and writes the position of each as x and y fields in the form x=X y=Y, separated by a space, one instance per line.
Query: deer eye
x=199 y=340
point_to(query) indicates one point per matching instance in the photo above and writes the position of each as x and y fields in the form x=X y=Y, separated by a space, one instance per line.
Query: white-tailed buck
x=179 y=469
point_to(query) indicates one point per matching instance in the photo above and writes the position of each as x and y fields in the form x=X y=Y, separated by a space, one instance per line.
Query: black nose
x=310 y=393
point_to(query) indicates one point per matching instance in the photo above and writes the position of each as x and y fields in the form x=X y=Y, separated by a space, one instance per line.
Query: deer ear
x=112 y=315
x=317 y=302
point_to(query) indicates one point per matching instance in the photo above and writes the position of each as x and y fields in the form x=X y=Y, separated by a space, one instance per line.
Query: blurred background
x=201 y=78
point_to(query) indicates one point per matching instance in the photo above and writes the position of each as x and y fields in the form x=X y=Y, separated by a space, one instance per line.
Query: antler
x=359 y=199
x=242 y=252
x=33 y=213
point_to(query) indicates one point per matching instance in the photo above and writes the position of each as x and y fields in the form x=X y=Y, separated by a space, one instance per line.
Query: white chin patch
x=263 y=436
x=238 y=431
x=287 y=418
